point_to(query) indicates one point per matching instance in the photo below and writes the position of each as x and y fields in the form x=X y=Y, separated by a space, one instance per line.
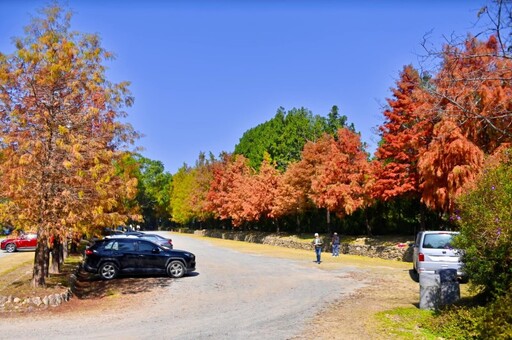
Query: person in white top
x=317 y=243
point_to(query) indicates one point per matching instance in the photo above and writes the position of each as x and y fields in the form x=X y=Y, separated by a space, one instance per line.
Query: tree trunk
x=64 y=251
x=40 y=259
x=367 y=221
x=73 y=247
x=422 y=217
x=56 y=257
x=328 y=221
x=299 y=231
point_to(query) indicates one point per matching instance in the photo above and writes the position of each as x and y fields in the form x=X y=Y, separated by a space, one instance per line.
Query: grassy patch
x=406 y=323
x=328 y=262
x=16 y=279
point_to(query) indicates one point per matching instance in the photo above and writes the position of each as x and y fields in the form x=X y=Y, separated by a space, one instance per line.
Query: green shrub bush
x=485 y=220
x=492 y=321
x=497 y=319
x=458 y=323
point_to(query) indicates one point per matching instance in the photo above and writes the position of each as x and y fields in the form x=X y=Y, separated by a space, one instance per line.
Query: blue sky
x=204 y=72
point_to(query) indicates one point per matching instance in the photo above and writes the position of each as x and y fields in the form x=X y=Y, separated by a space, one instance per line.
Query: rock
x=37 y=301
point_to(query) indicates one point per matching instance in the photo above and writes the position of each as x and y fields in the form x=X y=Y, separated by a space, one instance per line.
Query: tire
x=176 y=269
x=415 y=276
x=10 y=248
x=108 y=271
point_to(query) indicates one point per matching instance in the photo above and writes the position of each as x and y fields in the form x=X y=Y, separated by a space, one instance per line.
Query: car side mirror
x=156 y=251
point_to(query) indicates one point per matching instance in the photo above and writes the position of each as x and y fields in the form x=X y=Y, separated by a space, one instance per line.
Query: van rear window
x=438 y=241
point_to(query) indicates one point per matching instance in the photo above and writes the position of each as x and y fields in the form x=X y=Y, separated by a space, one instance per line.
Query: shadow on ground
x=88 y=286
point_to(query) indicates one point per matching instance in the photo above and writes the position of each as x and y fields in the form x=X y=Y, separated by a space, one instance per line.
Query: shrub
x=485 y=219
x=497 y=319
x=493 y=321
x=458 y=323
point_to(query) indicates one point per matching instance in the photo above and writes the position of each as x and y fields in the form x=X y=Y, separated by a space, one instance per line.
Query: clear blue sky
x=204 y=72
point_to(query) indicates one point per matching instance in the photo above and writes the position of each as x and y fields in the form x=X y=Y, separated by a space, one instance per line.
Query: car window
x=126 y=245
x=418 y=239
x=438 y=241
x=112 y=245
x=146 y=247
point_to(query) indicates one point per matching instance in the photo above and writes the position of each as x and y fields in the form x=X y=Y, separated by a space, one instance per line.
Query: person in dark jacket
x=335 y=245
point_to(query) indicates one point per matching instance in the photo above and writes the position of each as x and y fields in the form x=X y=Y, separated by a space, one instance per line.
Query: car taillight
x=88 y=252
x=421 y=257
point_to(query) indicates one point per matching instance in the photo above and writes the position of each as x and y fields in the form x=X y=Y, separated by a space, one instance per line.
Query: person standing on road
x=335 y=245
x=317 y=243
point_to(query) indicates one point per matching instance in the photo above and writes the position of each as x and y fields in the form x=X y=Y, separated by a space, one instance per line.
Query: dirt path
x=240 y=291
x=353 y=317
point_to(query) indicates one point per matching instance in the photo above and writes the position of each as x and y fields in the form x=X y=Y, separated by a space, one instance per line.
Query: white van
x=433 y=251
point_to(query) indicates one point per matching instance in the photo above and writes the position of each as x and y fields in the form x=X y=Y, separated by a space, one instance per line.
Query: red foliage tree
x=341 y=171
x=473 y=90
x=226 y=197
x=404 y=136
x=451 y=162
x=469 y=101
x=264 y=190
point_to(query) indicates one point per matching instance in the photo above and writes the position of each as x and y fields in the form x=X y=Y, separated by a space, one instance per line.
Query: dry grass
x=16 y=276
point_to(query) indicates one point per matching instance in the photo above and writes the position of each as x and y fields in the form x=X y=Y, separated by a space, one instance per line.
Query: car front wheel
x=108 y=270
x=176 y=269
x=11 y=247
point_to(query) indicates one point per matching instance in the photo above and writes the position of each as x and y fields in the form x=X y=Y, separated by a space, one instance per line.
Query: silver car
x=155 y=238
x=433 y=251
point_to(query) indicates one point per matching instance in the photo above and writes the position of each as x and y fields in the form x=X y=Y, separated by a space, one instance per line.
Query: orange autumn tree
x=62 y=139
x=261 y=191
x=450 y=163
x=473 y=89
x=226 y=197
x=293 y=191
x=470 y=102
x=404 y=136
x=341 y=171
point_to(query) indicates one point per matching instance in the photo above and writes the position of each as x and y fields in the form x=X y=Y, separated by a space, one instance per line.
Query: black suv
x=111 y=257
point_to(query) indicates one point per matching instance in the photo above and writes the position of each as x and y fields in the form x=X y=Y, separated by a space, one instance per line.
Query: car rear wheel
x=108 y=270
x=11 y=247
x=176 y=269
x=415 y=276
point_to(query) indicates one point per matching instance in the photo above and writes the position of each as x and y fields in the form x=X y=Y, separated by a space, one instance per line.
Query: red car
x=23 y=242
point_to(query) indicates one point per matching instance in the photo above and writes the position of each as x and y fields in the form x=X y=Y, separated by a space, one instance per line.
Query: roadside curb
x=11 y=303
x=15 y=304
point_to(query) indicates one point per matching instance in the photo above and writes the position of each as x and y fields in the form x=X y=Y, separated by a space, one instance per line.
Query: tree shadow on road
x=90 y=286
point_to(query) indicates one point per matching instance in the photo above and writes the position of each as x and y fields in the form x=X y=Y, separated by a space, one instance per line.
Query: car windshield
x=438 y=241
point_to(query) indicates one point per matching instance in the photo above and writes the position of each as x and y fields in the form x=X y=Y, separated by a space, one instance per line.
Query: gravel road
x=232 y=295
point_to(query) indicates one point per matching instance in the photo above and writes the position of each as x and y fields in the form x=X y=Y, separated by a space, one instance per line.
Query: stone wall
x=398 y=251
x=12 y=303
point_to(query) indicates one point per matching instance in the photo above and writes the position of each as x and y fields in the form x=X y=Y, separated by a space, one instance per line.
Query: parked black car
x=111 y=257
